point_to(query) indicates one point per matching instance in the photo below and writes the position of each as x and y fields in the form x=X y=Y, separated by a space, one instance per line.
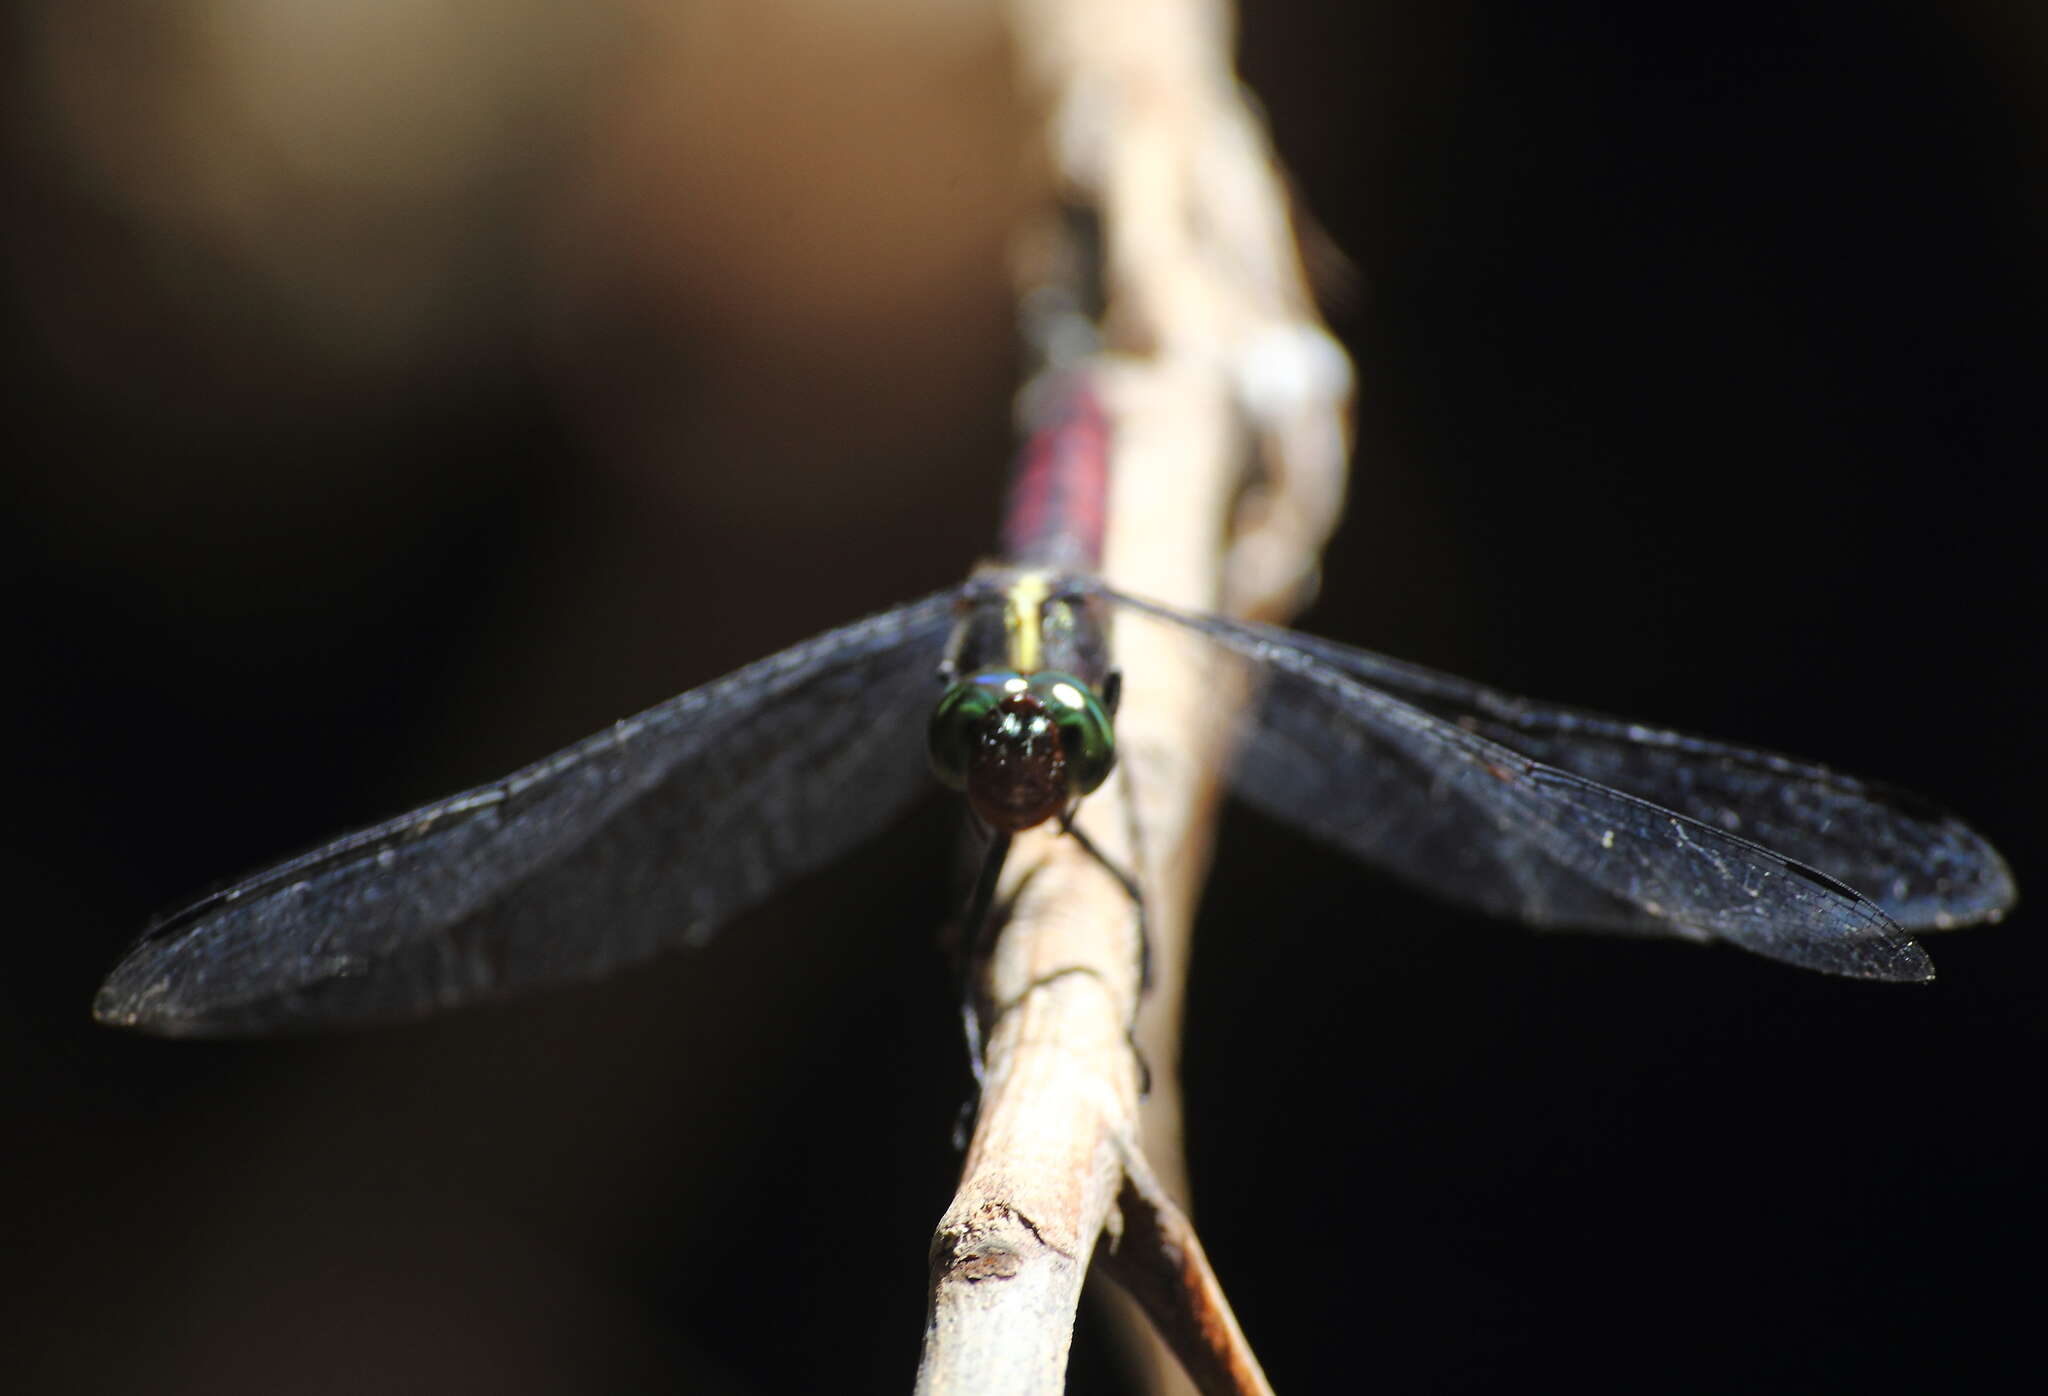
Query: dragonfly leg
x=1129 y=879
x=1131 y=889
x=978 y=940
x=1144 y=1065
x=1137 y=896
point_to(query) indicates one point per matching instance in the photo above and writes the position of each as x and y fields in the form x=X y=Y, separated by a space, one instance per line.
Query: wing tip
x=140 y=997
x=1906 y=963
x=115 y=1006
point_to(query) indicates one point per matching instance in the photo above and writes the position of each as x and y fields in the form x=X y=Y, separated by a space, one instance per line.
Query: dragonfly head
x=1021 y=747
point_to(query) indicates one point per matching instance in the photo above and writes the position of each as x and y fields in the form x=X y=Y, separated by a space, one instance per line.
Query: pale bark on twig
x=1228 y=405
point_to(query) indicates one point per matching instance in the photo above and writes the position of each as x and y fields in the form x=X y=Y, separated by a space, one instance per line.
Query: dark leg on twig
x=1131 y=889
x=1137 y=896
x=976 y=941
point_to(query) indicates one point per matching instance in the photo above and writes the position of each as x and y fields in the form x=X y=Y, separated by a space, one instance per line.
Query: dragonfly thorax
x=1022 y=749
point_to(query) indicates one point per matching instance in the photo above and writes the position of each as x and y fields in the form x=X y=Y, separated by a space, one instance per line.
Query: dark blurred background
x=400 y=391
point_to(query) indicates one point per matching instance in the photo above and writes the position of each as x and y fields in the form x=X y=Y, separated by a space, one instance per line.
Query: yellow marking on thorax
x=1024 y=619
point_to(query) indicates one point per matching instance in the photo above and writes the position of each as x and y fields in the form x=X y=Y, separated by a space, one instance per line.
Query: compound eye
x=1086 y=736
x=960 y=718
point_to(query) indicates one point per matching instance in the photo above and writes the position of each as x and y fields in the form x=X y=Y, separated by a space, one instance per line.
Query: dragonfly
x=656 y=832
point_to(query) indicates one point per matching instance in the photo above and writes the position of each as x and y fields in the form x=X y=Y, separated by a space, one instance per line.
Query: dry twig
x=1228 y=406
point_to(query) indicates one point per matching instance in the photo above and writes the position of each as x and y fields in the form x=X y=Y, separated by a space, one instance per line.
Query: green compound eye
x=1086 y=736
x=957 y=721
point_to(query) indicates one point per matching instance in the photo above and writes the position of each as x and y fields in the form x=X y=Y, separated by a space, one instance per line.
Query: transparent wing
x=1472 y=818
x=647 y=835
x=1926 y=868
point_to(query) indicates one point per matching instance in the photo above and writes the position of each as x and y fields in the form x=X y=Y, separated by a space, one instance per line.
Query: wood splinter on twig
x=1159 y=1261
x=1214 y=375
